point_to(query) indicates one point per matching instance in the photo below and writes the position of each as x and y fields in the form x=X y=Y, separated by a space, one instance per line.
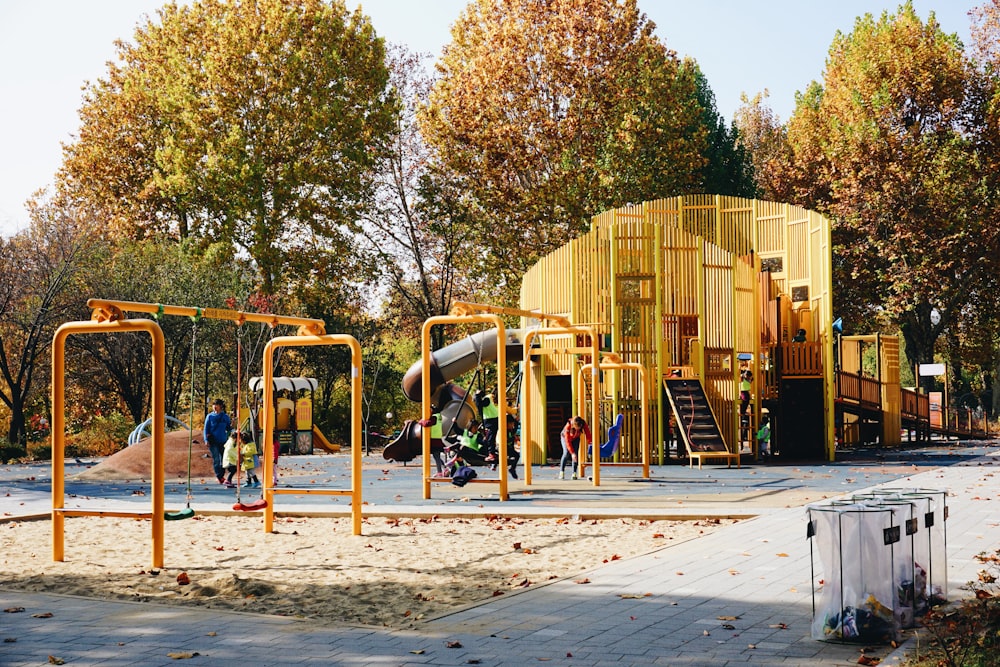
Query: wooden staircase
x=696 y=423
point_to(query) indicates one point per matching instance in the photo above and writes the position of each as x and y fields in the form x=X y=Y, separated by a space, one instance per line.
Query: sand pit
x=134 y=462
x=399 y=572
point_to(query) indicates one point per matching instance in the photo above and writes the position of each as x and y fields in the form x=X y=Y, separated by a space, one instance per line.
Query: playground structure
x=295 y=430
x=109 y=317
x=431 y=375
x=689 y=288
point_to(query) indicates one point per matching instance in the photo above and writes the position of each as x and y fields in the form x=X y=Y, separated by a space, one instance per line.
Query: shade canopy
x=284 y=384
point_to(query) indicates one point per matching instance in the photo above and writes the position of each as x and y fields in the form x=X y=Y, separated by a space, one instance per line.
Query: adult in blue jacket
x=216 y=432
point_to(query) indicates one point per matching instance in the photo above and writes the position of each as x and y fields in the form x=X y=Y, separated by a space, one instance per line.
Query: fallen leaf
x=568 y=654
x=751 y=646
x=183 y=579
x=706 y=633
x=517 y=545
x=9 y=640
x=581 y=581
x=779 y=626
x=473 y=661
x=782 y=555
x=453 y=644
x=211 y=634
x=727 y=618
x=47 y=614
x=868 y=660
x=182 y=656
x=633 y=596
x=418 y=651
x=13 y=610
x=56 y=661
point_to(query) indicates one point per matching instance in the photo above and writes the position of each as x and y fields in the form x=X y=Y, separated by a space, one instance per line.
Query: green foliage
x=252 y=123
x=103 y=436
x=728 y=168
x=889 y=146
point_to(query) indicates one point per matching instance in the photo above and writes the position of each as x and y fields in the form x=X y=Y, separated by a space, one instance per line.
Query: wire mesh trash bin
x=858 y=598
x=931 y=549
x=908 y=576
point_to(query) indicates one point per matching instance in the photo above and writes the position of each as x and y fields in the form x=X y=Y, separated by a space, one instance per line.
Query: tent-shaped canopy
x=284 y=384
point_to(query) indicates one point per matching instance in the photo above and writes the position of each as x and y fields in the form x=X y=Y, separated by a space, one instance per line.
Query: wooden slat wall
x=636 y=275
x=891 y=391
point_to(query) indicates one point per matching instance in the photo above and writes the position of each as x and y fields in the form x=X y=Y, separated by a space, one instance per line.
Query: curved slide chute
x=448 y=399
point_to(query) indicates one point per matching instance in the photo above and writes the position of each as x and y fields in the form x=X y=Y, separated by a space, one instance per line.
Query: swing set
x=109 y=317
x=464 y=315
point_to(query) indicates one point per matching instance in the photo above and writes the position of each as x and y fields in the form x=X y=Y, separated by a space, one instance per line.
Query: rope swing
x=260 y=503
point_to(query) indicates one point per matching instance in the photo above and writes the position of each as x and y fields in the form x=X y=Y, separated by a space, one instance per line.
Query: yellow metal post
x=357 y=444
x=158 y=392
x=425 y=410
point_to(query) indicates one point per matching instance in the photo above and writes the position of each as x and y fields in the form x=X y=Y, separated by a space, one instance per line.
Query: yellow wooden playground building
x=695 y=289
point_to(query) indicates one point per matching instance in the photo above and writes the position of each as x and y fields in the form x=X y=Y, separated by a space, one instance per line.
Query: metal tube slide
x=460 y=357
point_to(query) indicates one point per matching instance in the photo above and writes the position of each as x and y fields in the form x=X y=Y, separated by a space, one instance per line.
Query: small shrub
x=105 y=435
x=10 y=453
x=967 y=634
x=40 y=451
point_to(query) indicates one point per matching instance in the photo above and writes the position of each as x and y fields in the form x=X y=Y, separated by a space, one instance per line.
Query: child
x=275 y=453
x=250 y=461
x=764 y=437
x=230 y=459
x=471 y=437
x=574 y=436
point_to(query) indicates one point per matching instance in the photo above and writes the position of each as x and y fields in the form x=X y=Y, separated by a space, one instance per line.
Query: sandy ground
x=398 y=572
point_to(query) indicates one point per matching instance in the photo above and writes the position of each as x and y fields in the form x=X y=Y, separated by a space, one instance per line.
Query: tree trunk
x=17 y=433
x=919 y=335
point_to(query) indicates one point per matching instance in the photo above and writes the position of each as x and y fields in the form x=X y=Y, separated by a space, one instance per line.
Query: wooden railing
x=800 y=359
x=914 y=406
x=865 y=391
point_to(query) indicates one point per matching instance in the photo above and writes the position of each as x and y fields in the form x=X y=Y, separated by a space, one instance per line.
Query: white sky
x=50 y=48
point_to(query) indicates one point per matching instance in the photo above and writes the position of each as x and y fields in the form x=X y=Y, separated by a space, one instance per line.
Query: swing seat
x=251 y=505
x=609 y=448
x=185 y=513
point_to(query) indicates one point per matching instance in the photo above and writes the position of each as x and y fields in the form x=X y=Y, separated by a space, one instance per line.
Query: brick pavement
x=662 y=608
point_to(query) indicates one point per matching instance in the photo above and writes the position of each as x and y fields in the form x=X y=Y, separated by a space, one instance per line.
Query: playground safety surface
x=663 y=608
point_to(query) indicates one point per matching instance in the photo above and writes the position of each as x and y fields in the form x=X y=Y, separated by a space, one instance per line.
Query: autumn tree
x=40 y=271
x=159 y=271
x=412 y=231
x=985 y=33
x=256 y=124
x=547 y=113
x=887 y=146
x=762 y=137
x=728 y=168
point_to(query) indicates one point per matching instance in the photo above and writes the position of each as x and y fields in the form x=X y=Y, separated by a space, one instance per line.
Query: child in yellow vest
x=250 y=461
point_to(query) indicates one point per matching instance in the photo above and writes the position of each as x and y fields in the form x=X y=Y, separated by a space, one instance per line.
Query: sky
x=50 y=48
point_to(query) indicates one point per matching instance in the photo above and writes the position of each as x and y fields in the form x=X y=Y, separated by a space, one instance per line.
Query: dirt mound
x=133 y=462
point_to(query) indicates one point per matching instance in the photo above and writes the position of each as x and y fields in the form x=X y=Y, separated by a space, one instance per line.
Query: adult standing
x=216 y=432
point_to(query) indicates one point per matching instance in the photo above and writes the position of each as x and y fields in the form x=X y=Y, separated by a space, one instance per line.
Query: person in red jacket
x=575 y=434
